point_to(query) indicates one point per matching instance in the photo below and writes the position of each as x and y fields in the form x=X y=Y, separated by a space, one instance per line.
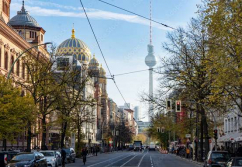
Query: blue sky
x=123 y=37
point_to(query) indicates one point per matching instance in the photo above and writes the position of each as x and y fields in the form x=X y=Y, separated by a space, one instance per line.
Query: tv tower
x=150 y=61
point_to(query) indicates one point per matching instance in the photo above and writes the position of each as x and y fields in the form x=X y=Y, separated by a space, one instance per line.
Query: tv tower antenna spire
x=151 y=22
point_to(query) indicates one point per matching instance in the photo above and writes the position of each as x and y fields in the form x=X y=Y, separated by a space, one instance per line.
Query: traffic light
x=168 y=105
x=178 y=106
x=215 y=134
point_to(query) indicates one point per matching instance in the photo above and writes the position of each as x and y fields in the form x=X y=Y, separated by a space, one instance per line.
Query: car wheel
x=74 y=160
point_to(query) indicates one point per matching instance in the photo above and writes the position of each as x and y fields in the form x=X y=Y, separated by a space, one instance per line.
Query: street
x=135 y=159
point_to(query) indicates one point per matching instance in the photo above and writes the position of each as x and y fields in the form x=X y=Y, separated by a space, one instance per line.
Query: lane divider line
x=105 y=161
x=119 y=160
x=142 y=159
x=129 y=160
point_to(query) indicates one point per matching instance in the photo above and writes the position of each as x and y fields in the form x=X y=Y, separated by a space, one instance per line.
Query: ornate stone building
x=17 y=35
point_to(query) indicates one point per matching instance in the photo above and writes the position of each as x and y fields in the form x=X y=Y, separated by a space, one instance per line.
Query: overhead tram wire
x=96 y=38
x=103 y=54
x=165 y=25
x=132 y=72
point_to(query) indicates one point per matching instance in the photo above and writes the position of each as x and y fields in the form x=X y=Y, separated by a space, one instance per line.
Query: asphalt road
x=135 y=159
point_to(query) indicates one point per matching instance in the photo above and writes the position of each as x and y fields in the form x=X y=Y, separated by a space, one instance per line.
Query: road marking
x=105 y=161
x=129 y=160
x=142 y=159
x=151 y=161
x=118 y=160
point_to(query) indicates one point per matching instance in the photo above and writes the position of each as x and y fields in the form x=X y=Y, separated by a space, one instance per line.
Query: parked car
x=234 y=162
x=6 y=156
x=70 y=155
x=28 y=159
x=131 y=147
x=58 y=157
x=216 y=158
x=50 y=157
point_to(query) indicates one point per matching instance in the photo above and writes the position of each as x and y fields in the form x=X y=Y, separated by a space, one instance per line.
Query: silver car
x=58 y=158
x=50 y=157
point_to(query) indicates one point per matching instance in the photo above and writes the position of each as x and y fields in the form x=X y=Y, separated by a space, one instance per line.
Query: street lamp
x=11 y=69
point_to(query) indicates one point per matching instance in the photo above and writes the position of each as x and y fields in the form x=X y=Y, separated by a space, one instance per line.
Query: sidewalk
x=190 y=160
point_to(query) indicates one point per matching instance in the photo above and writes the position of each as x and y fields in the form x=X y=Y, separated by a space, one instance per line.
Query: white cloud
x=92 y=13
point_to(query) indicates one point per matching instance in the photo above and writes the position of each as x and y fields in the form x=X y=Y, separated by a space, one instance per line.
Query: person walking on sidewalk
x=84 y=155
x=96 y=149
x=63 y=155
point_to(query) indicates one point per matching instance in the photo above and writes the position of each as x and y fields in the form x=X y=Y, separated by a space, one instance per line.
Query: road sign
x=188 y=135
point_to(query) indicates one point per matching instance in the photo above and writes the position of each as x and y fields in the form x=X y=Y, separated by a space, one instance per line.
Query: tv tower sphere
x=150 y=59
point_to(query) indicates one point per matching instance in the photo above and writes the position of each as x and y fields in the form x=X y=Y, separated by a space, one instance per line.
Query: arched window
x=18 y=66
x=12 y=60
x=23 y=70
x=6 y=61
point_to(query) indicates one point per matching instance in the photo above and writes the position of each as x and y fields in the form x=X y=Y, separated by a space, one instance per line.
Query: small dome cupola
x=102 y=71
x=75 y=47
x=27 y=27
x=23 y=19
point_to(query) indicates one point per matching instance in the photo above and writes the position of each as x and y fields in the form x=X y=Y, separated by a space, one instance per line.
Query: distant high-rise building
x=136 y=113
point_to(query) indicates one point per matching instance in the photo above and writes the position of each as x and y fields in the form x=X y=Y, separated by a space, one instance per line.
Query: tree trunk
x=197 y=136
x=78 y=136
x=43 y=145
x=206 y=135
x=4 y=144
x=201 y=139
x=29 y=137
x=63 y=134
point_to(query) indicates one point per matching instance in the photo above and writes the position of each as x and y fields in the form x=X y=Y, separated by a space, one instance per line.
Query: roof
x=23 y=19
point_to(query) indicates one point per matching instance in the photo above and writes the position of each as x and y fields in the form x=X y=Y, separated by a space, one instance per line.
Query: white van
x=152 y=146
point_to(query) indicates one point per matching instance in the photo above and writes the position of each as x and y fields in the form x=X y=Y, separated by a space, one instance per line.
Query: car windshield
x=48 y=154
x=24 y=157
x=220 y=156
x=238 y=162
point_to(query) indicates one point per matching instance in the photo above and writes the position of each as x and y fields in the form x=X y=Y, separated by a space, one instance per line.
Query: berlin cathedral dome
x=75 y=47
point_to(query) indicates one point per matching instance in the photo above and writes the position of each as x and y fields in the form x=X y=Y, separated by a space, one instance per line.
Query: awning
x=232 y=137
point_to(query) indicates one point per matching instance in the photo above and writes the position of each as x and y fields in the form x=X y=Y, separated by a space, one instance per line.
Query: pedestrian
x=84 y=155
x=96 y=150
x=63 y=155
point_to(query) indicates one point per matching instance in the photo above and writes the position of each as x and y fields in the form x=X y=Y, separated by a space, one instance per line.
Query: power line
x=102 y=53
x=135 y=72
x=95 y=38
x=165 y=25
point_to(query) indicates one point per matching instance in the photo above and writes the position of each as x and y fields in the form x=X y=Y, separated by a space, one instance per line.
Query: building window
x=32 y=34
x=18 y=65
x=23 y=71
x=62 y=63
x=228 y=125
x=232 y=124
x=5 y=8
x=12 y=60
x=42 y=37
x=6 y=61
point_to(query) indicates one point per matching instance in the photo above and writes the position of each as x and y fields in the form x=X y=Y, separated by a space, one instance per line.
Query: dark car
x=70 y=155
x=131 y=147
x=217 y=159
x=6 y=156
x=28 y=160
x=234 y=162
